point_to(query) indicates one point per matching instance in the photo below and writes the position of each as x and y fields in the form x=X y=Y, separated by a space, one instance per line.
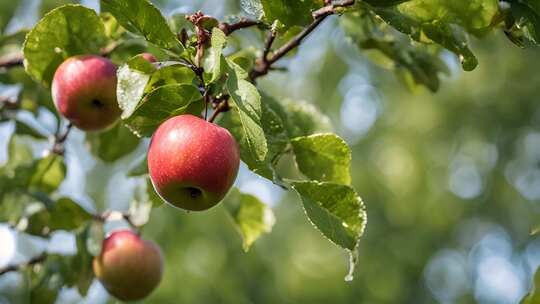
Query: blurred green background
x=451 y=182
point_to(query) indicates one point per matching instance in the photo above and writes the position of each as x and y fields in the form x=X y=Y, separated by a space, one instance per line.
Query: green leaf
x=48 y=173
x=7 y=9
x=173 y=73
x=153 y=196
x=215 y=63
x=143 y=18
x=246 y=101
x=290 y=12
x=335 y=210
x=302 y=119
x=64 y=214
x=95 y=238
x=533 y=297
x=132 y=80
x=140 y=168
x=82 y=262
x=112 y=144
x=163 y=103
x=252 y=218
x=526 y=27
x=64 y=32
x=323 y=157
x=274 y=132
x=22 y=128
x=473 y=15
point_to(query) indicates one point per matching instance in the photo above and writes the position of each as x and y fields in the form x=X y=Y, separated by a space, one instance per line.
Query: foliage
x=287 y=143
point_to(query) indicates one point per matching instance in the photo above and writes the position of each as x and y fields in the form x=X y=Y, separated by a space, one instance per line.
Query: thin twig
x=11 y=61
x=60 y=139
x=36 y=260
x=222 y=107
x=264 y=64
x=229 y=28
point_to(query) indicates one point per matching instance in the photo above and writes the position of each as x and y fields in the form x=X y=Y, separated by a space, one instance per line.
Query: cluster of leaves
x=288 y=143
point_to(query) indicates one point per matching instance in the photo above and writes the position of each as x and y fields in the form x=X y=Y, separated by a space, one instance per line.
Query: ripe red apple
x=192 y=163
x=149 y=57
x=84 y=92
x=129 y=267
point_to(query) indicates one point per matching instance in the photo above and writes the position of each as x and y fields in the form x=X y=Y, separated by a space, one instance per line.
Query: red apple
x=149 y=57
x=129 y=267
x=84 y=92
x=192 y=163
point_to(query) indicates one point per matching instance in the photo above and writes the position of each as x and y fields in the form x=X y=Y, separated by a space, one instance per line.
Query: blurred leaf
x=473 y=15
x=48 y=173
x=533 y=297
x=290 y=12
x=22 y=128
x=526 y=23
x=7 y=9
x=246 y=102
x=95 y=238
x=46 y=281
x=82 y=262
x=132 y=79
x=48 y=5
x=163 y=103
x=140 y=168
x=64 y=32
x=113 y=143
x=64 y=214
x=336 y=210
x=143 y=18
x=323 y=157
x=303 y=119
x=252 y=217
x=153 y=196
x=141 y=205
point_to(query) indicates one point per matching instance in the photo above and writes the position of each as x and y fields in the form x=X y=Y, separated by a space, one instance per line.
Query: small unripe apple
x=84 y=92
x=149 y=57
x=129 y=267
x=192 y=163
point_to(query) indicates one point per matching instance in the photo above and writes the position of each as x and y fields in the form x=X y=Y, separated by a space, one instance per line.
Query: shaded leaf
x=113 y=143
x=252 y=218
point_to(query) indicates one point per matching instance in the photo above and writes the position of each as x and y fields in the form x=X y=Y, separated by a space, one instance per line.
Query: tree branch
x=264 y=64
x=11 y=61
x=229 y=28
x=223 y=106
x=36 y=260
x=60 y=139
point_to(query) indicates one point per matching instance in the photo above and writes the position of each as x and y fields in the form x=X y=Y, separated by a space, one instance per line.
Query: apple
x=84 y=92
x=129 y=267
x=192 y=163
x=149 y=57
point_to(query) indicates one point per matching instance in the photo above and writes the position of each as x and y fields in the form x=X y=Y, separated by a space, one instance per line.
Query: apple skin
x=149 y=57
x=129 y=267
x=84 y=92
x=192 y=163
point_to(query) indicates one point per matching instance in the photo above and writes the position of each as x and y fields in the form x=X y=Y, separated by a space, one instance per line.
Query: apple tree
x=186 y=89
